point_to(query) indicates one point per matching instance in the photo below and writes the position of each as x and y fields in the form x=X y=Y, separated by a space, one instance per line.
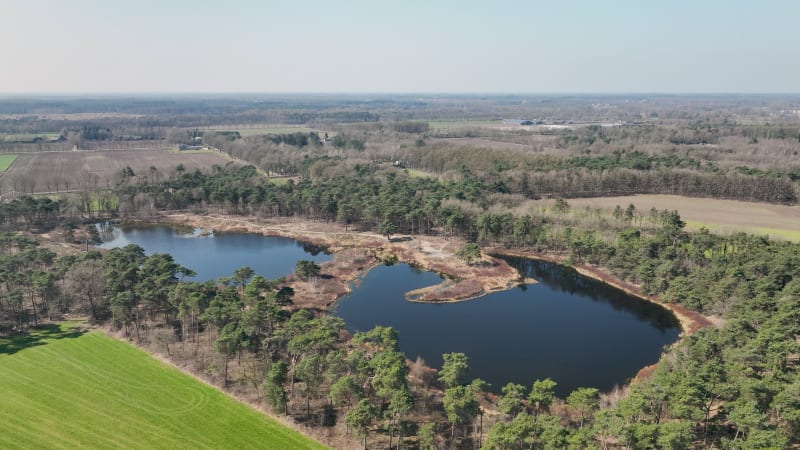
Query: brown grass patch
x=447 y=291
x=334 y=282
x=778 y=221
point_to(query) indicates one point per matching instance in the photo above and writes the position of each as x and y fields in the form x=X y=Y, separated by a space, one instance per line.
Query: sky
x=409 y=46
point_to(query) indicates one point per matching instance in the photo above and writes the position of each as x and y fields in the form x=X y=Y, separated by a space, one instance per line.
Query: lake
x=216 y=255
x=573 y=329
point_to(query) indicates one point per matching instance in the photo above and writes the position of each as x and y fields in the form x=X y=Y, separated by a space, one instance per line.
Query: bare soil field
x=725 y=216
x=65 y=171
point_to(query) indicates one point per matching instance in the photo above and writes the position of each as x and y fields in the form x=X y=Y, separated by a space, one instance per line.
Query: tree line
x=732 y=386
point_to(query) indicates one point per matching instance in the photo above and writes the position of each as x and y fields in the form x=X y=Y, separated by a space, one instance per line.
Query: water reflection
x=565 y=279
x=216 y=255
x=573 y=329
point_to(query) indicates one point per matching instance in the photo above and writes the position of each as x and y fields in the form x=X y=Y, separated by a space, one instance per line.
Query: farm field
x=63 y=171
x=777 y=221
x=277 y=129
x=445 y=124
x=66 y=389
x=30 y=137
x=6 y=161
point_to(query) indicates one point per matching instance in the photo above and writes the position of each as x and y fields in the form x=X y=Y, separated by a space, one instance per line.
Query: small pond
x=215 y=255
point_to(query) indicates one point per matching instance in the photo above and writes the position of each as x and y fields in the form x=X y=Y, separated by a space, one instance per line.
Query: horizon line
x=388 y=93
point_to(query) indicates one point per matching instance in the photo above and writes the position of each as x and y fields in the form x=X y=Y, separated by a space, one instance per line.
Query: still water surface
x=216 y=255
x=576 y=330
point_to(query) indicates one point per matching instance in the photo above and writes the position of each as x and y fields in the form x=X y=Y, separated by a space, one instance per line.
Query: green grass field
x=5 y=161
x=60 y=388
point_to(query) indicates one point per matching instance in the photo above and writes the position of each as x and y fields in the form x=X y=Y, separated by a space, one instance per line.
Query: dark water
x=573 y=329
x=217 y=255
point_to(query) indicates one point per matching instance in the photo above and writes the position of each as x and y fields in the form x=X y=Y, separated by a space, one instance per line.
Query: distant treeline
x=586 y=183
x=618 y=174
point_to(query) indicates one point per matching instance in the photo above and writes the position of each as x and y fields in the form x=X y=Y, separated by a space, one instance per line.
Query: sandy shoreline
x=690 y=321
x=356 y=252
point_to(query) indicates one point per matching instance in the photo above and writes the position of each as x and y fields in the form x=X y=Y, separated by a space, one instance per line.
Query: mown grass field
x=60 y=388
x=5 y=162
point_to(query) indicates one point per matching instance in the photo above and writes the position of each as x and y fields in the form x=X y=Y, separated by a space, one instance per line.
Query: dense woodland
x=735 y=386
x=384 y=168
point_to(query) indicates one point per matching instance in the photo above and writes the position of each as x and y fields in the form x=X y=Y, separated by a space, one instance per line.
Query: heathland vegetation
x=733 y=383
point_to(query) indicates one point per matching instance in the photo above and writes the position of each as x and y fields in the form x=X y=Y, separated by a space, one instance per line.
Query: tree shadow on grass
x=41 y=335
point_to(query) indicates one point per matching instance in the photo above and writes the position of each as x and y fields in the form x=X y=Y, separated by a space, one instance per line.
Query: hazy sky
x=399 y=46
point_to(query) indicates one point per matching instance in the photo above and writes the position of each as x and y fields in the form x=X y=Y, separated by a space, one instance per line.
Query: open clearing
x=416 y=173
x=65 y=389
x=47 y=172
x=5 y=162
x=778 y=221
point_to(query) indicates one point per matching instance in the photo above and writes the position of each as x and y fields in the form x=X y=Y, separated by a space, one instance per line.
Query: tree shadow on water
x=40 y=335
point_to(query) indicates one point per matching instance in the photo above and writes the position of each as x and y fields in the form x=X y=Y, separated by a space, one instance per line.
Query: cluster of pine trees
x=735 y=385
